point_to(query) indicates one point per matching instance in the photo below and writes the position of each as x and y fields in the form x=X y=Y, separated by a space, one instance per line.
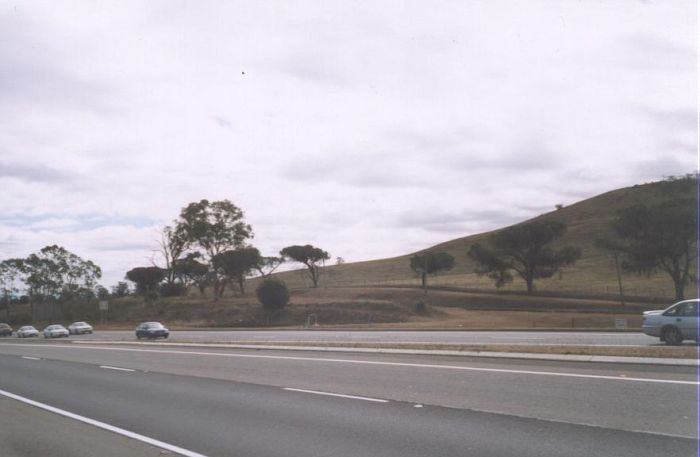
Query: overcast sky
x=368 y=128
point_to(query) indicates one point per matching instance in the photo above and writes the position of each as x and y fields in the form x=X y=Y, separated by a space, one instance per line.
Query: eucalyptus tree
x=431 y=263
x=524 y=249
x=312 y=257
x=212 y=228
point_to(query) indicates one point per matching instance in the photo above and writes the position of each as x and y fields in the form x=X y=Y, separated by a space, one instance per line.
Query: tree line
x=209 y=245
x=54 y=275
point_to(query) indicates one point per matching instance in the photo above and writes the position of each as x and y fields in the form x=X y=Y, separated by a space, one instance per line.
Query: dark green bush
x=273 y=294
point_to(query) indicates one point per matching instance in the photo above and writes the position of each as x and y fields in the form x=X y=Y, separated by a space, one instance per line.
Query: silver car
x=78 y=328
x=674 y=324
x=56 y=331
x=27 y=332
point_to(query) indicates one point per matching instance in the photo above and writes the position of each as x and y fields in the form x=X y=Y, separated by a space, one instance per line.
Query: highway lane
x=399 y=336
x=228 y=418
x=655 y=399
x=59 y=436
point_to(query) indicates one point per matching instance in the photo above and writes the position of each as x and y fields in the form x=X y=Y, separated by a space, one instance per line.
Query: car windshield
x=79 y=324
x=154 y=325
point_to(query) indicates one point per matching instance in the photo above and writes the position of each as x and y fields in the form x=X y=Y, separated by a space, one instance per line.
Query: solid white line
x=373 y=362
x=30 y=358
x=104 y=426
x=354 y=397
x=107 y=367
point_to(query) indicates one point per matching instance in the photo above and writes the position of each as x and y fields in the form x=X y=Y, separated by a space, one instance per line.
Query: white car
x=27 y=332
x=674 y=324
x=56 y=331
x=78 y=328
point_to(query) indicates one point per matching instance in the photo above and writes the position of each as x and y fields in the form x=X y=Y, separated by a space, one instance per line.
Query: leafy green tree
x=273 y=295
x=658 y=238
x=268 y=264
x=212 y=228
x=525 y=249
x=11 y=276
x=431 y=263
x=312 y=257
x=236 y=265
x=121 y=289
x=147 y=280
x=189 y=271
x=101 y=292
x=58 y=274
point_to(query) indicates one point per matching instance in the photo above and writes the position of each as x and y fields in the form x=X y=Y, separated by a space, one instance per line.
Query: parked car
x=151 y=330
x=674 y=324
x=5 y=330
x=27 y=332
x=56 y=331
x=79 y=328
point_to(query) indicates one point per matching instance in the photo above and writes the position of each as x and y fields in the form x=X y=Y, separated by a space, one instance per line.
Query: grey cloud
x=681 y=146
x=377 y=171
x=527 y=156
x=223 y=122
x=33 y=73
x=318 y=67
x=432 y=220
x=648 y=53
x=467 y=148
x=663 y=166
x=677 y=119
x=35 y=173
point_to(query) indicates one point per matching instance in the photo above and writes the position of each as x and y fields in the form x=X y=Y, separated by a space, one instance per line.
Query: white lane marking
x=30 y=358
x=374 y=362
x=107 y=367
x=104 y=426
x=354 y=397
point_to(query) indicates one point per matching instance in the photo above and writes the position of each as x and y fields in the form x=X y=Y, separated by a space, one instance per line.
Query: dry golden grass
x=593 y=274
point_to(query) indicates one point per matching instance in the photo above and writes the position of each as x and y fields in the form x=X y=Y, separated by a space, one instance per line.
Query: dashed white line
x=30 y=358
x=107 y=367
x=330 y=394
x=104 y=426
x=379 y=363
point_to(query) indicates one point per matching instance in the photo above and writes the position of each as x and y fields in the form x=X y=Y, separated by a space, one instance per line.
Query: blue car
x=151 y=330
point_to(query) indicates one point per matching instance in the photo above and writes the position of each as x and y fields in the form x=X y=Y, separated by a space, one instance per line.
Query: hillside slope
x=587 y=220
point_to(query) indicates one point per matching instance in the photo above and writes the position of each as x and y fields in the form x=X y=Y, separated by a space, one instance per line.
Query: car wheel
x=672 y=336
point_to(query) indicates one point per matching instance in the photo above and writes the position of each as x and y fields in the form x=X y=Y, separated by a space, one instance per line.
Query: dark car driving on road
x=151 y=330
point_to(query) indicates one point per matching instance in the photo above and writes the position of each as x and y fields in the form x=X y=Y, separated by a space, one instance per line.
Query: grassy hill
x=384 y=293
x=593 y=275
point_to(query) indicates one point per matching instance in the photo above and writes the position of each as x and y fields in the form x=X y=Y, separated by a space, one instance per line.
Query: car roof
x=692 y=300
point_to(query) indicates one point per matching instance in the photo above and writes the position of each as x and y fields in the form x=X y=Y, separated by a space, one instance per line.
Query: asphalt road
x=446 y=337
x=224 y=402
x=59 y=436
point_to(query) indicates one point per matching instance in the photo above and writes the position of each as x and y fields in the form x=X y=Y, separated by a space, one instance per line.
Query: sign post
x=104 y=307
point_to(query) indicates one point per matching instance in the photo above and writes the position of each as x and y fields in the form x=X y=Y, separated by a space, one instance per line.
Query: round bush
x=273 y=294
